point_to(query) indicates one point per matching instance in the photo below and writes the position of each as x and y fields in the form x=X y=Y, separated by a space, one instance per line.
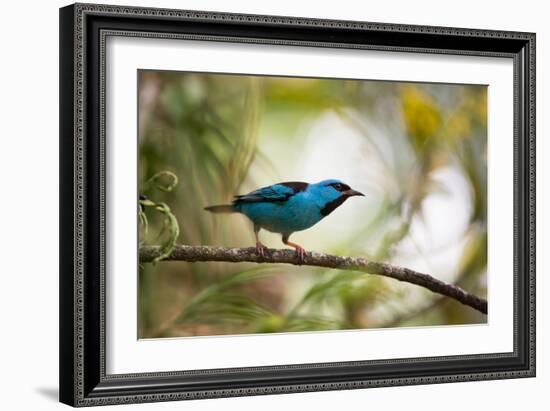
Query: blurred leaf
x=216 y=303
x=422 y=118
x=271 y=324
x=313 y=323
x=328 y=288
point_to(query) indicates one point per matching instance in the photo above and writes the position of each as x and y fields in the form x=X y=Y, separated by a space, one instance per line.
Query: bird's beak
x=351 y=192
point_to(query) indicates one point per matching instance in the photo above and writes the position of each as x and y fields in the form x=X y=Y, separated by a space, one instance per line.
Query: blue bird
x=288 y=207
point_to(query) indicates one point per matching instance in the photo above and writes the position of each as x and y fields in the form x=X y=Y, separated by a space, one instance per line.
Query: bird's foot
x=260 y=249
x=300 y=252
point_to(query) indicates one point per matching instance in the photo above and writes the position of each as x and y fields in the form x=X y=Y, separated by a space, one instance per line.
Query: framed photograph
x=262 y=204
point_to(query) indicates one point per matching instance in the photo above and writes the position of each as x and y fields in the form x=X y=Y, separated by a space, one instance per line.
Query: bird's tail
x=226 y=208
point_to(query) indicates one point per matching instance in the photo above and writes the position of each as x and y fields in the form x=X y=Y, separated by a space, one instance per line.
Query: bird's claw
x=260 y=249
x=301 y=253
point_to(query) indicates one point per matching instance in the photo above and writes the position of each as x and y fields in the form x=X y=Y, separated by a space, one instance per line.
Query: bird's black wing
x=275 y=193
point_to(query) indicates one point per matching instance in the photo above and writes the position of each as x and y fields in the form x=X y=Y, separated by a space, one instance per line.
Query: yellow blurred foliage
x=421 y=114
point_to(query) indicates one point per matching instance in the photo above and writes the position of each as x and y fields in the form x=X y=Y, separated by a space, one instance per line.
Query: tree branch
x=239 y=255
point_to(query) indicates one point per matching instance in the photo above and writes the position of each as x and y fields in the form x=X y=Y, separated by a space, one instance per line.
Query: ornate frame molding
x=82 y=315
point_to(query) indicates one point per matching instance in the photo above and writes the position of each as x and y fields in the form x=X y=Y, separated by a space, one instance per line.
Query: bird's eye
x=340 y=187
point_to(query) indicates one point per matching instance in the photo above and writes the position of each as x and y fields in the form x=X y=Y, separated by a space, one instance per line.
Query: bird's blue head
x=330 y=194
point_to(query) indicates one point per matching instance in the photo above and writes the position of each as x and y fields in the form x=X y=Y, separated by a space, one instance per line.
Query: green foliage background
x=206 y=137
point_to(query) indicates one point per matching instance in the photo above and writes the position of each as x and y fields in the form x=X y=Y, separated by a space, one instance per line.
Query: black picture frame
x=83 y=29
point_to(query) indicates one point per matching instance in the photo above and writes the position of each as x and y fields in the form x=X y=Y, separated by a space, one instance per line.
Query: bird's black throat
x=333 y=205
